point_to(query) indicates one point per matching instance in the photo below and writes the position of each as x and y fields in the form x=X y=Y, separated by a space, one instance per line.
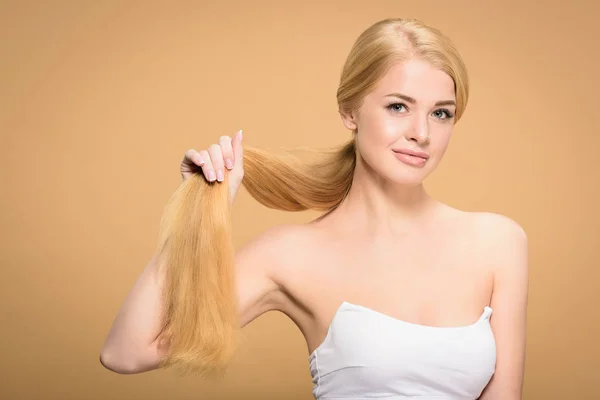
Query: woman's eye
x=443 y=114
x=396 y=107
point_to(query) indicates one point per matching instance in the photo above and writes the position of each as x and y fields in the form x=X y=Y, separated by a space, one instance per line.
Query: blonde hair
x=200 y=323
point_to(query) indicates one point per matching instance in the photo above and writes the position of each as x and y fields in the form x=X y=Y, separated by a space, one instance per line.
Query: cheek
x=437 y=151
x=443 y=140
x=382 y=129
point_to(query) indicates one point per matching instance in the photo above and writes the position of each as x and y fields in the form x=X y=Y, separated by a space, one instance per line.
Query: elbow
x=117 y=364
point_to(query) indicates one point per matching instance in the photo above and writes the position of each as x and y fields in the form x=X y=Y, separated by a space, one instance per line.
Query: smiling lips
x=411 y=157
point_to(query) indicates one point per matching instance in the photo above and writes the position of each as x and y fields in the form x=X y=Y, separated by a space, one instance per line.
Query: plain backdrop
x=99 y=100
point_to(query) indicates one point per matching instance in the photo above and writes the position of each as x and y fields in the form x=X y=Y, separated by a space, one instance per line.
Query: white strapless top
x=367 y=354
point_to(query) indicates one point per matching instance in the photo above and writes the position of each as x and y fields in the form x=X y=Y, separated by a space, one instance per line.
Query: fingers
x=227 y=150
x=215 y=158
x=194 y=157
x=207 y=167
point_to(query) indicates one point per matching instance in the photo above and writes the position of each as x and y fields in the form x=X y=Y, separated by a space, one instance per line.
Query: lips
x=415 y=161
x=412 y=153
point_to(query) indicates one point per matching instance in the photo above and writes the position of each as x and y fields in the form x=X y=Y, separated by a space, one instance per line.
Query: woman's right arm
x=130 y=346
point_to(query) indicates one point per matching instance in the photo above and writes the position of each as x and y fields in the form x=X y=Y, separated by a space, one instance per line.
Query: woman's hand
x=228 y=153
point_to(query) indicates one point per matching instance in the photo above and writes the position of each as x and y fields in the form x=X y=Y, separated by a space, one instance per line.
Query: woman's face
x=412 y=107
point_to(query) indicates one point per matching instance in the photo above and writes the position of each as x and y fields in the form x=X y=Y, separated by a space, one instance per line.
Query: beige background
x=100 y=99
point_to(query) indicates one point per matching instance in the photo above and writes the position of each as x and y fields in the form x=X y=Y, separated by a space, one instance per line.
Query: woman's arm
x=509 y=253
x=127 y=348
x=130 y=346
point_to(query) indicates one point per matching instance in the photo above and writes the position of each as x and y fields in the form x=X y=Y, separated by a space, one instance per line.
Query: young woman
x=397 y=294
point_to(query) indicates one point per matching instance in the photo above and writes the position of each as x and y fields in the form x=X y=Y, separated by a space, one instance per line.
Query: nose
x=419 y=130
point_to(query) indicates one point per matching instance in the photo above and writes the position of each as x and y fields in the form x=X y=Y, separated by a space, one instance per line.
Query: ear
x=349 y=120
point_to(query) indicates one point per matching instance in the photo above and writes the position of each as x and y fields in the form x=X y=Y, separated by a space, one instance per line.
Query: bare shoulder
x=278 y=251
x=262 y=266
x=275 y=248
x=283 y=239
x=277 y=238
x=481 y=224
x=498 y=227
x=291 y=243
x=503 y=238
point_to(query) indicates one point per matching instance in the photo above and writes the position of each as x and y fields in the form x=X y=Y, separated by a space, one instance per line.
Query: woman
x=393 y=290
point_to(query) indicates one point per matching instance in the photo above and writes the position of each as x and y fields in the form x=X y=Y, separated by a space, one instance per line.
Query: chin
x=406 y=179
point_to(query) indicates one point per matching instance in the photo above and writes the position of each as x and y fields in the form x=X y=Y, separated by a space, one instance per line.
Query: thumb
x=238 y=149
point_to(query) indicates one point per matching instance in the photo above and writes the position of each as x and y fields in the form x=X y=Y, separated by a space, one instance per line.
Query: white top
x=367 y=354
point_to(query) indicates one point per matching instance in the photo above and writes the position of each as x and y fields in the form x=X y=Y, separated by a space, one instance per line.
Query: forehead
x=417 y=79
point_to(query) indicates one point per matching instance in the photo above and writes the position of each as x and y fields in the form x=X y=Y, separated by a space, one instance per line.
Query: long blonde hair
x=200 y=323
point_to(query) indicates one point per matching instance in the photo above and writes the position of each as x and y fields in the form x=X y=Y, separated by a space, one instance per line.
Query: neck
x=378 y=207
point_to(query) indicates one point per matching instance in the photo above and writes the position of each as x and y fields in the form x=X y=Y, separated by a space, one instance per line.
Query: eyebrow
x=413 y=101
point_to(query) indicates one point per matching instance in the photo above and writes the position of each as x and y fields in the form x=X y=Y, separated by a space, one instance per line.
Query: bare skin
x=443 y=274
x=400 y=276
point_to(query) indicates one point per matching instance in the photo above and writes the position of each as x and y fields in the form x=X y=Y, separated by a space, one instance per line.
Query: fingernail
x=241 y=134
x=220 y=176
x=228 y=163
x=211 y=175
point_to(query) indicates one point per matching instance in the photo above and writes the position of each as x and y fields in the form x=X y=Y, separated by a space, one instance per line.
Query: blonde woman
x=397 y=294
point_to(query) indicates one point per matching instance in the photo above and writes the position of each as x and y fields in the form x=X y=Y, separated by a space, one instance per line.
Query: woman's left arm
x=509 y=305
